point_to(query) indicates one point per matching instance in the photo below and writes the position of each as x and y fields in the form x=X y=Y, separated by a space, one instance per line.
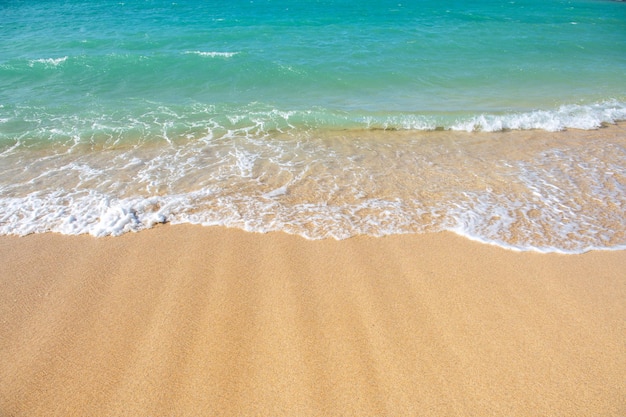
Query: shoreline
x=192 y=320
x=535 y=190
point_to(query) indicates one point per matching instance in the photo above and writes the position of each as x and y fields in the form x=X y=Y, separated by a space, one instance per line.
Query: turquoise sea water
x=283 y=115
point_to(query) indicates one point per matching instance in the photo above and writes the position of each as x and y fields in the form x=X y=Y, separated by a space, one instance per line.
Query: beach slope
x=190 y=320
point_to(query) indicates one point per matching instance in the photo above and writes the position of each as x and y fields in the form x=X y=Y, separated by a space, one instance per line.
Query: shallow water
x=530 y=190
x=324 y=119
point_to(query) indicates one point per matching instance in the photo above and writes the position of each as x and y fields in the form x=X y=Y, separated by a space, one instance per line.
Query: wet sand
x=189 y=320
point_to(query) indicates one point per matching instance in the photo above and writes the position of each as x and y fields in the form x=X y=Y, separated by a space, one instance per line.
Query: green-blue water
x=419 y=64
x=81 y=76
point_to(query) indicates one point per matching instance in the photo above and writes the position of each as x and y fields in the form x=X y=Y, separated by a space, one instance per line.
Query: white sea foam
x=102 y=215
x=213 y=54
x=49 y=62
x=564 y=206
x=574 y=116
x=78 y=213
x=403 y=122
x=255 y=169
x=258 y=120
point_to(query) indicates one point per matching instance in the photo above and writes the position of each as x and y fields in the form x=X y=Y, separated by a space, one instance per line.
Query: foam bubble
x=259 y=170
x=49 y=62
x=572 y=116
x=73 y=213
x=401 y=122
x=213 y=54
x=256 y=120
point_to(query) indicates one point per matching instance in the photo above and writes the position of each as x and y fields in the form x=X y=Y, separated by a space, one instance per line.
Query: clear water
x=323 y=118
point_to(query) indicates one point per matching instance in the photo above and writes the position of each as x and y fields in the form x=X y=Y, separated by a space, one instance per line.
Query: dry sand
x=193 y=321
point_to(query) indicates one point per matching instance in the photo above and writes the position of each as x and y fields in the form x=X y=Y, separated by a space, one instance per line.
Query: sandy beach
x=190 y=321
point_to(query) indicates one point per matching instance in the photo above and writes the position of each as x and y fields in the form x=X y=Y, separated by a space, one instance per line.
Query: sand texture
x=198 y=321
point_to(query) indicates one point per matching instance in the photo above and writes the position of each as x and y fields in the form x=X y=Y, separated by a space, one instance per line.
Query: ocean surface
x=497 y=120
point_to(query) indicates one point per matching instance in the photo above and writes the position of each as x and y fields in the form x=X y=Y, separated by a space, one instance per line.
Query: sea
x=498 y=120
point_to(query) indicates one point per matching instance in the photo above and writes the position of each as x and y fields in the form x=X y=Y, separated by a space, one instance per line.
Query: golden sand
x=193 y=321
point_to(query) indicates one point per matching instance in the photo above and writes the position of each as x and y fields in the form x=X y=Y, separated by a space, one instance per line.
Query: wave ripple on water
x=526 y=190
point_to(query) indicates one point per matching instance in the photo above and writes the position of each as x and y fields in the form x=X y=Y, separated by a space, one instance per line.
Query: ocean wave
x=573 y=116
x=553 y=195
x=99 y=214
x=151 y=121
x=212 y=54
x=48 y=62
